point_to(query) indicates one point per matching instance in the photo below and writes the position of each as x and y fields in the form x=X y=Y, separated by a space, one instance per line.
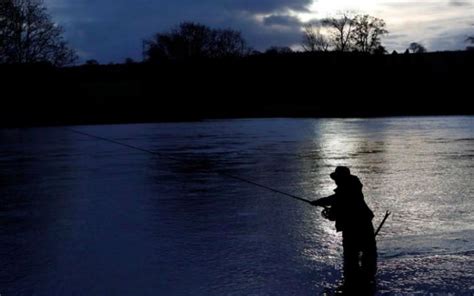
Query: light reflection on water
x=81 y=216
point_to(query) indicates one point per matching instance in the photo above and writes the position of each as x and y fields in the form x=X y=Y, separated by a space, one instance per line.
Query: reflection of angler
x=330 y=214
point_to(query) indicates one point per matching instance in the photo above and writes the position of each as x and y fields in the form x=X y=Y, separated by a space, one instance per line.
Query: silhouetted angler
x=354 y=218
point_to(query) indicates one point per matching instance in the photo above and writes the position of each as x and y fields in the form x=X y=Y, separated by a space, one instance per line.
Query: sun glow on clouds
x=327 y=7
x=401 y=10
x=438 y=24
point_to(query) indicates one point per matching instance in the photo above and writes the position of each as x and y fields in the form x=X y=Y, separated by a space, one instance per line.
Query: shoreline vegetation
x=294 y=84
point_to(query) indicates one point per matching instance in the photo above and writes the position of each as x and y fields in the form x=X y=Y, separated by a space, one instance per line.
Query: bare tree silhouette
x=417 y=48
x=313 y=40
x=341 y=28
x=350 y=32
x=28 y=35
x=367 y=33
x=471 y=41
x=194 y=40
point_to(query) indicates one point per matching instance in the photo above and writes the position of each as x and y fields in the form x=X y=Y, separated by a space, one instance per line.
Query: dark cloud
x=459 y=3
x=282 y=20
x=264 y=6
x=111 y=30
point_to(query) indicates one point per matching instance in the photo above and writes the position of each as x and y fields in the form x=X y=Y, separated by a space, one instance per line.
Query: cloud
x=460 y=3
x=439 y=25
x=282 y=20
x=112 y=30
x=265 y=6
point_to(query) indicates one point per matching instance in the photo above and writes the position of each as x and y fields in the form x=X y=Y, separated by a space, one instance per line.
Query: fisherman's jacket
x=348 y=206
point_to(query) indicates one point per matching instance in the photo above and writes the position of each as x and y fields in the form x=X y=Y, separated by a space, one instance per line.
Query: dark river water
x=82 y=216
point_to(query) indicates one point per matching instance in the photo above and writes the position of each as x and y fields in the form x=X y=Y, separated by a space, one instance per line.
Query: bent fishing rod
x=217 y=172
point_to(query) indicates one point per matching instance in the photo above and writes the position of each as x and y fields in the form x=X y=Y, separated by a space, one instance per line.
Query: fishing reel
x=329 y=213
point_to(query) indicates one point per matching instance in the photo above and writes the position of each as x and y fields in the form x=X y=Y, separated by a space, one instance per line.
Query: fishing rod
x=182 y=161
x=266 y=187
x=387 y=214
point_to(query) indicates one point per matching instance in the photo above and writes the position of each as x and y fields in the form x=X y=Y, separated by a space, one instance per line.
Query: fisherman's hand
x=315 y=203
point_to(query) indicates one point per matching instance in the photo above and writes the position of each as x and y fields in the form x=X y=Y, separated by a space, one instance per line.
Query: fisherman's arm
x=325 y=201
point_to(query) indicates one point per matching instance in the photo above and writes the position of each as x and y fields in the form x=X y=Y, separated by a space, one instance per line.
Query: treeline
x=345 y=33
x=189 y=40
x=292 y=85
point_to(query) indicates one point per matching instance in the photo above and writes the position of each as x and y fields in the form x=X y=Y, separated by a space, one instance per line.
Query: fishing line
x=163 y=155
x=182 y=161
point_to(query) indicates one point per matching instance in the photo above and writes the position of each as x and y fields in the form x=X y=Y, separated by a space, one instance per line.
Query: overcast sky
x=112 y=30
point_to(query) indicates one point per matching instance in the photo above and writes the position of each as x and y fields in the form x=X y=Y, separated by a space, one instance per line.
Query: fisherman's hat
x=340 y=173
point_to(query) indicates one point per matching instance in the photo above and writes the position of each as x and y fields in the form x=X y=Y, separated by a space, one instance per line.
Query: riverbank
x=292 y=85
